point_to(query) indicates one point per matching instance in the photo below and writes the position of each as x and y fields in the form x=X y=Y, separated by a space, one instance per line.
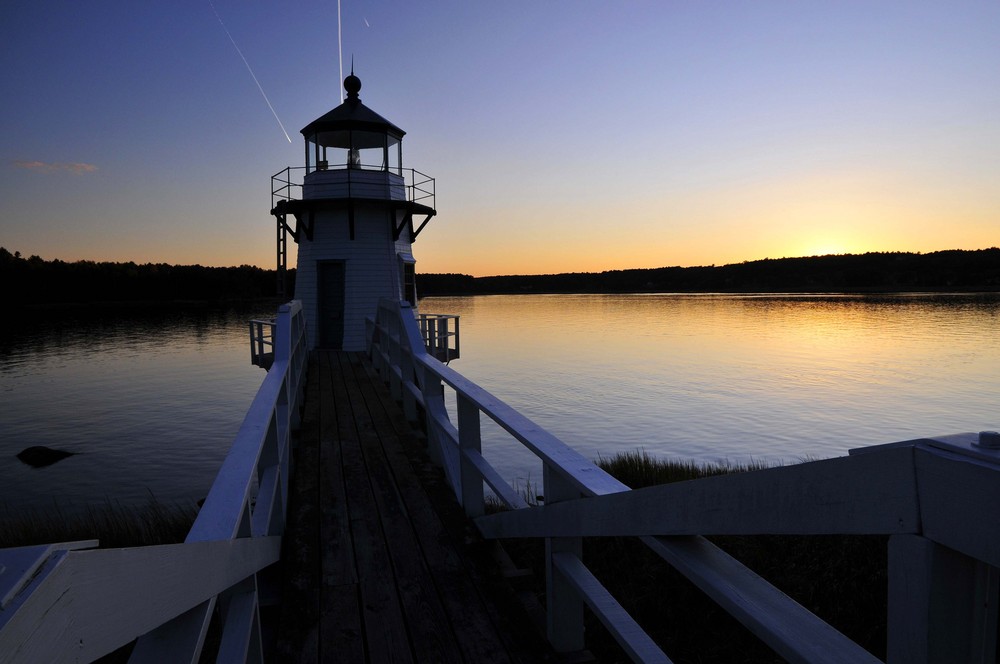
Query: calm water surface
x=150 y=399
x=732 y=377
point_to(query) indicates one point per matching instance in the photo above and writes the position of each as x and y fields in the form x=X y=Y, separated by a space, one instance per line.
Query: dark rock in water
x=41 y=456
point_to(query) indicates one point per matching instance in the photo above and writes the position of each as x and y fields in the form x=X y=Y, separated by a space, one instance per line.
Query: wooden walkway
x=379 y=563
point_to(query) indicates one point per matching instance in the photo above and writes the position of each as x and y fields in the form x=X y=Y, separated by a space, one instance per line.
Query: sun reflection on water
x=712 y=377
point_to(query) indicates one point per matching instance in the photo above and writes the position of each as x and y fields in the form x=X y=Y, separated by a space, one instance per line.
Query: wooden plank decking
x=379 y=563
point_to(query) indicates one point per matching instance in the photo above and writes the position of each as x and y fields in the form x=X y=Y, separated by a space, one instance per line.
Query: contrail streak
x=340 y=51
x=262 y=93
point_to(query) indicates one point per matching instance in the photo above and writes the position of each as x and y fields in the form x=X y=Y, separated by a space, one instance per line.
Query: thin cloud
x=52 y=167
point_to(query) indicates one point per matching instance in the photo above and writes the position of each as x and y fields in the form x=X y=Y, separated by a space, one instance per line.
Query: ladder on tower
x=282 y=255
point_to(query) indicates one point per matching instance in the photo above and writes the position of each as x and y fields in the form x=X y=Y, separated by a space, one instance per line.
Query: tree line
x=36 y=281
x=958 y=270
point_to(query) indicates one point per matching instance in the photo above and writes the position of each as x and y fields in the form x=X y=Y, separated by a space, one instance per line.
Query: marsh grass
x=842 y=579
x=115 y=525
x=638 y=469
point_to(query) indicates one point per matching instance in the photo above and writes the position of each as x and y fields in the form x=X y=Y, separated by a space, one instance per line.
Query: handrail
x=419 y=187
x=944 y=546
x=60 y=603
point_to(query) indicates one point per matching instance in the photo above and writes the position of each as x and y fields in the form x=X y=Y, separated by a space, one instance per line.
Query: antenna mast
x=340 y=51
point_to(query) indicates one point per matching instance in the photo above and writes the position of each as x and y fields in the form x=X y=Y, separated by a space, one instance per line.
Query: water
x=151 y=398
x=731 y=377
x=148 y=398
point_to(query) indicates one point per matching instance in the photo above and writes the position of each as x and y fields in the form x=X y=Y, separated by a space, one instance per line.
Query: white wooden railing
x=74 y=602
x=262 y=342
x=938 y=499
x=441 y=336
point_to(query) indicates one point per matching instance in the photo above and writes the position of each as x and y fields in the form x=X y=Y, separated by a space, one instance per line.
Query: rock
x=40 y=456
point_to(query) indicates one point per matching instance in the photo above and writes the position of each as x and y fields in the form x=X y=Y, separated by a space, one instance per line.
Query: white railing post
x=942 y=604
x=445 y=334
x=432 y=392
x=241 y=635
x=395 y=353
x=298 y=336
x=564 y=612
x=282 y=339
x=373 y=338
x=370 y=336
x=254 y=342
x=431 y=338
x=407 y=373
x=470 y=439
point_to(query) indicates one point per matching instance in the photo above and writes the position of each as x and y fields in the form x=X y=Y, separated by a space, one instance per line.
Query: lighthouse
x=354 y=213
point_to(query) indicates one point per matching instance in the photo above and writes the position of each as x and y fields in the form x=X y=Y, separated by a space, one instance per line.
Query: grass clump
x=637 y=469
x=840 y=578
x=115 y=525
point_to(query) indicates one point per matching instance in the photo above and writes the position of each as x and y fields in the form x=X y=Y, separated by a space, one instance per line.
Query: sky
x=563 y=136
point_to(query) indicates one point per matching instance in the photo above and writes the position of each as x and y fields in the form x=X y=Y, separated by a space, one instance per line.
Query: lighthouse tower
x=354 y=212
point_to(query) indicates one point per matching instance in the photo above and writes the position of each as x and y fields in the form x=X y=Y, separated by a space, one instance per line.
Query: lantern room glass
x=367 y=150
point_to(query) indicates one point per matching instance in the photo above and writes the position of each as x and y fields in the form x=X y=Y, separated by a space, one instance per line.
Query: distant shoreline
x=818 y=293
x=144 y=304
x=35 y=282
x=39 y=283
x=958 y=271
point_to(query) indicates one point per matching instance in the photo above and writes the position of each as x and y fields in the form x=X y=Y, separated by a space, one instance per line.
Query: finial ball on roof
x=352 y=84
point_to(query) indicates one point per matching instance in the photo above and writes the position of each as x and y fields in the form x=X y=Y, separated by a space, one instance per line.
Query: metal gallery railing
x=416 y=187
x=74 y=602
x=938 y=500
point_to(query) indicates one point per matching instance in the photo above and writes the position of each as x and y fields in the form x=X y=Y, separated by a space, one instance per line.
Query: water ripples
x=148 y=399
x=710 y=377
x=151 y=398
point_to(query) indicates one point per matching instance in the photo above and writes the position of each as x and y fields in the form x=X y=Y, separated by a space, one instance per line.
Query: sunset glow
x=563 y=138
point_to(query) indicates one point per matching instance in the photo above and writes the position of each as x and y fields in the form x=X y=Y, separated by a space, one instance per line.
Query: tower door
x=330 y=287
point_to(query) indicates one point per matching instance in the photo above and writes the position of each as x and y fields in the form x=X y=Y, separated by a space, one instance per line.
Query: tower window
x=409 y=274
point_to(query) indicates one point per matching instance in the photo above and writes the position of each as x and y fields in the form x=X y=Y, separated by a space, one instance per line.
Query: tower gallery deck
x=379 y=563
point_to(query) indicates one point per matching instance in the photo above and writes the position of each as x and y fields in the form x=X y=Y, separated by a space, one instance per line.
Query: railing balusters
x=564 y=612
x=262 y=334
x=470 y=438
x=407 y=375
x=944 y=579
x=440 y=341
x=443 y=447
x=395 y=353
x=265 y=437
x=241 y=640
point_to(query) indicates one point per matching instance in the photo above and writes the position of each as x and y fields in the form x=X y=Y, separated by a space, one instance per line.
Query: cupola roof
x=351 y=115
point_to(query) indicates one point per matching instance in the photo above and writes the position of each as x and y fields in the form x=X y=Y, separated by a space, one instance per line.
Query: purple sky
x=564 y=136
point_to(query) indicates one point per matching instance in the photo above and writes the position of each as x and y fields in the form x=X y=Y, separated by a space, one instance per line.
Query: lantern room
x=353 y=136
